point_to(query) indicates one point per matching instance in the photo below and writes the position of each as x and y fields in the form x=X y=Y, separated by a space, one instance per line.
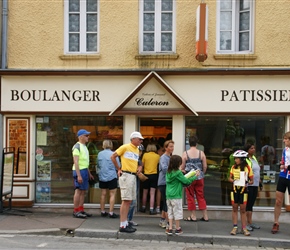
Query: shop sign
x=153 y=96
x=170 y=92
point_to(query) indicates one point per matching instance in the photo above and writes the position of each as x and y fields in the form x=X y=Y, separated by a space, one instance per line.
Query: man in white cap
x=129 y=154
x=81 y=173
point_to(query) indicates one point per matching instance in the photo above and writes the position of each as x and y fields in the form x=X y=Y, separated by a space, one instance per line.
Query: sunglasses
x=86 y=135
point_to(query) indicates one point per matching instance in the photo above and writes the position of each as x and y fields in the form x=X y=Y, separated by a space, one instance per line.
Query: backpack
x=194 y=163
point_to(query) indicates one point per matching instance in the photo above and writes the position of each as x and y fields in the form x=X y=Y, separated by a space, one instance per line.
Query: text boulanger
x=58 y=96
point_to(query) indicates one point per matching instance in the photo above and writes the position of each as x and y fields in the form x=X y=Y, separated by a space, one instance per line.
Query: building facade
x=114 y=67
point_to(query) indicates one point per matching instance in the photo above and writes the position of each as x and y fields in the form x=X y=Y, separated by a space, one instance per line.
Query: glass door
x=155 y=130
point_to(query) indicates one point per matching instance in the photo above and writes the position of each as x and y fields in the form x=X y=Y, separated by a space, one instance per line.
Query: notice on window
x=41 y=138
x=43 y=170
x=43 y=192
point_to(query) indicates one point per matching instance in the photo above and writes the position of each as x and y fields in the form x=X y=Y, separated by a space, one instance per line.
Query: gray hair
x=107 y=144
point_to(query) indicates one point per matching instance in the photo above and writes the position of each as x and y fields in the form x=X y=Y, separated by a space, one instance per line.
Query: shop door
x=155 y=130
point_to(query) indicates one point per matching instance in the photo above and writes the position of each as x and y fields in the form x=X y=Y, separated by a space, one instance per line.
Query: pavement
x=214 y=232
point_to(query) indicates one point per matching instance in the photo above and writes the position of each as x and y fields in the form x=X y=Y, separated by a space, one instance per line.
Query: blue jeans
x=131 y=210
x=133 y=204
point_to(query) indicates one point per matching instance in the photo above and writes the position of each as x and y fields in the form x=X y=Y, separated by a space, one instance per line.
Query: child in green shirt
x=175 y=181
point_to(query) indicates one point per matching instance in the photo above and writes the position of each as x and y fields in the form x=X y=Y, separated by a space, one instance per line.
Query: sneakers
x=126 y=230
x=152 y=212
x=254 y=226
x=246 y=232
x=178 y=231
x=86 y=214
x=158 y=210
x=249 y=228
x=133 y=223
x=275 y=228
x=142 y=210
x=104 y=214
x=79 y=215
x=169 y=231
x=113 y=215
x=234 y=231
x=130 y=226
x=163 y=223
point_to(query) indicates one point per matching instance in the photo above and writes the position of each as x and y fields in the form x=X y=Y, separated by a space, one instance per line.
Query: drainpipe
x=3 y=66
x=4 y=33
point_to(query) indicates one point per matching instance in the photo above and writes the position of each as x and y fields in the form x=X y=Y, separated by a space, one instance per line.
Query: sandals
x=189 y=219
x=203 y=219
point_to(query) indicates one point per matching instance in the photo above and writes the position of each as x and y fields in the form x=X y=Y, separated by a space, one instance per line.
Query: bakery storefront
x=42 y=112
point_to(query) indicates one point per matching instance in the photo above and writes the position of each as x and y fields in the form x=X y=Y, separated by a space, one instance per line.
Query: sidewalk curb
x=157 y=236
x=186 y=238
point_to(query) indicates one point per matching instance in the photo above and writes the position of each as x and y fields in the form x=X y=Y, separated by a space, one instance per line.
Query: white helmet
x=240 y=154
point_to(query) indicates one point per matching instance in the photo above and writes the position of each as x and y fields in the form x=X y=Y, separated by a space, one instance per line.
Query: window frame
x=157 y=31
x=235 y=29
x=83 y=26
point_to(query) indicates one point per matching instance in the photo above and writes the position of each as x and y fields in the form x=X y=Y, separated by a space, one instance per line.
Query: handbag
x=142 y=177
x=194 y=163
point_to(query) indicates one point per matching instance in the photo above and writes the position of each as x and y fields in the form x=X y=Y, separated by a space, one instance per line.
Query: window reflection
x=55 y=138
x=221 y=136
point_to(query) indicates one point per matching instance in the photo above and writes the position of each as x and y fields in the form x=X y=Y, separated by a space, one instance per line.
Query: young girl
x=240 y=175
x=174 y=186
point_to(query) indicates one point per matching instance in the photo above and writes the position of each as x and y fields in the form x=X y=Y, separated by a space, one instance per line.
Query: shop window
x=235 y=26
x=17 y=137
x=81 y=26
x=217 y=134
x=55 y=137
x=157 y=22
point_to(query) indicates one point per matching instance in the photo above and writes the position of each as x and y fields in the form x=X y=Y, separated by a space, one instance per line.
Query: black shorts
x=240 y=196
x=151 y=182
x=113 y=184
x=282 y=184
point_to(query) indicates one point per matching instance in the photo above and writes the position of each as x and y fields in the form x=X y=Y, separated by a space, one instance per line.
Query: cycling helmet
x=240 y=154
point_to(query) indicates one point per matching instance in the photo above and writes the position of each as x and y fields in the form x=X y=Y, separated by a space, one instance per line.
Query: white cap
x=136 y=135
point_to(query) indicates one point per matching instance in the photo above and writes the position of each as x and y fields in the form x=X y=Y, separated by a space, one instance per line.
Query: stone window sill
x=234 y=57
x=157 y=56
x=80 y=57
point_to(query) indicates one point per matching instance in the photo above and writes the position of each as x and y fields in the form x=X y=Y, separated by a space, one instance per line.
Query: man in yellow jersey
x=81 y=173
x=129 y=154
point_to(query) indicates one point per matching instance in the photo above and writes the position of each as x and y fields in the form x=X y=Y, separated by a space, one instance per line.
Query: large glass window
x=235 y=26
x=157 y=32
x=55 y=137
x=219 y=133
x=81 y=24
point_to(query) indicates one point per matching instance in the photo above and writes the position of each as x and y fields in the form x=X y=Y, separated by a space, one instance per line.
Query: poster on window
x=269 y=177
x=43 y=171
x=43 y=192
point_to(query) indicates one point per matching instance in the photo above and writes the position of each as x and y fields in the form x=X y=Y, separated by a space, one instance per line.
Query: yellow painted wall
x=36 y=37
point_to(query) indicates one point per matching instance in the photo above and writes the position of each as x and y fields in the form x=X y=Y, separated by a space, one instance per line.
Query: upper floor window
x=81 y=26
x=157 y=26
x=235 y=26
